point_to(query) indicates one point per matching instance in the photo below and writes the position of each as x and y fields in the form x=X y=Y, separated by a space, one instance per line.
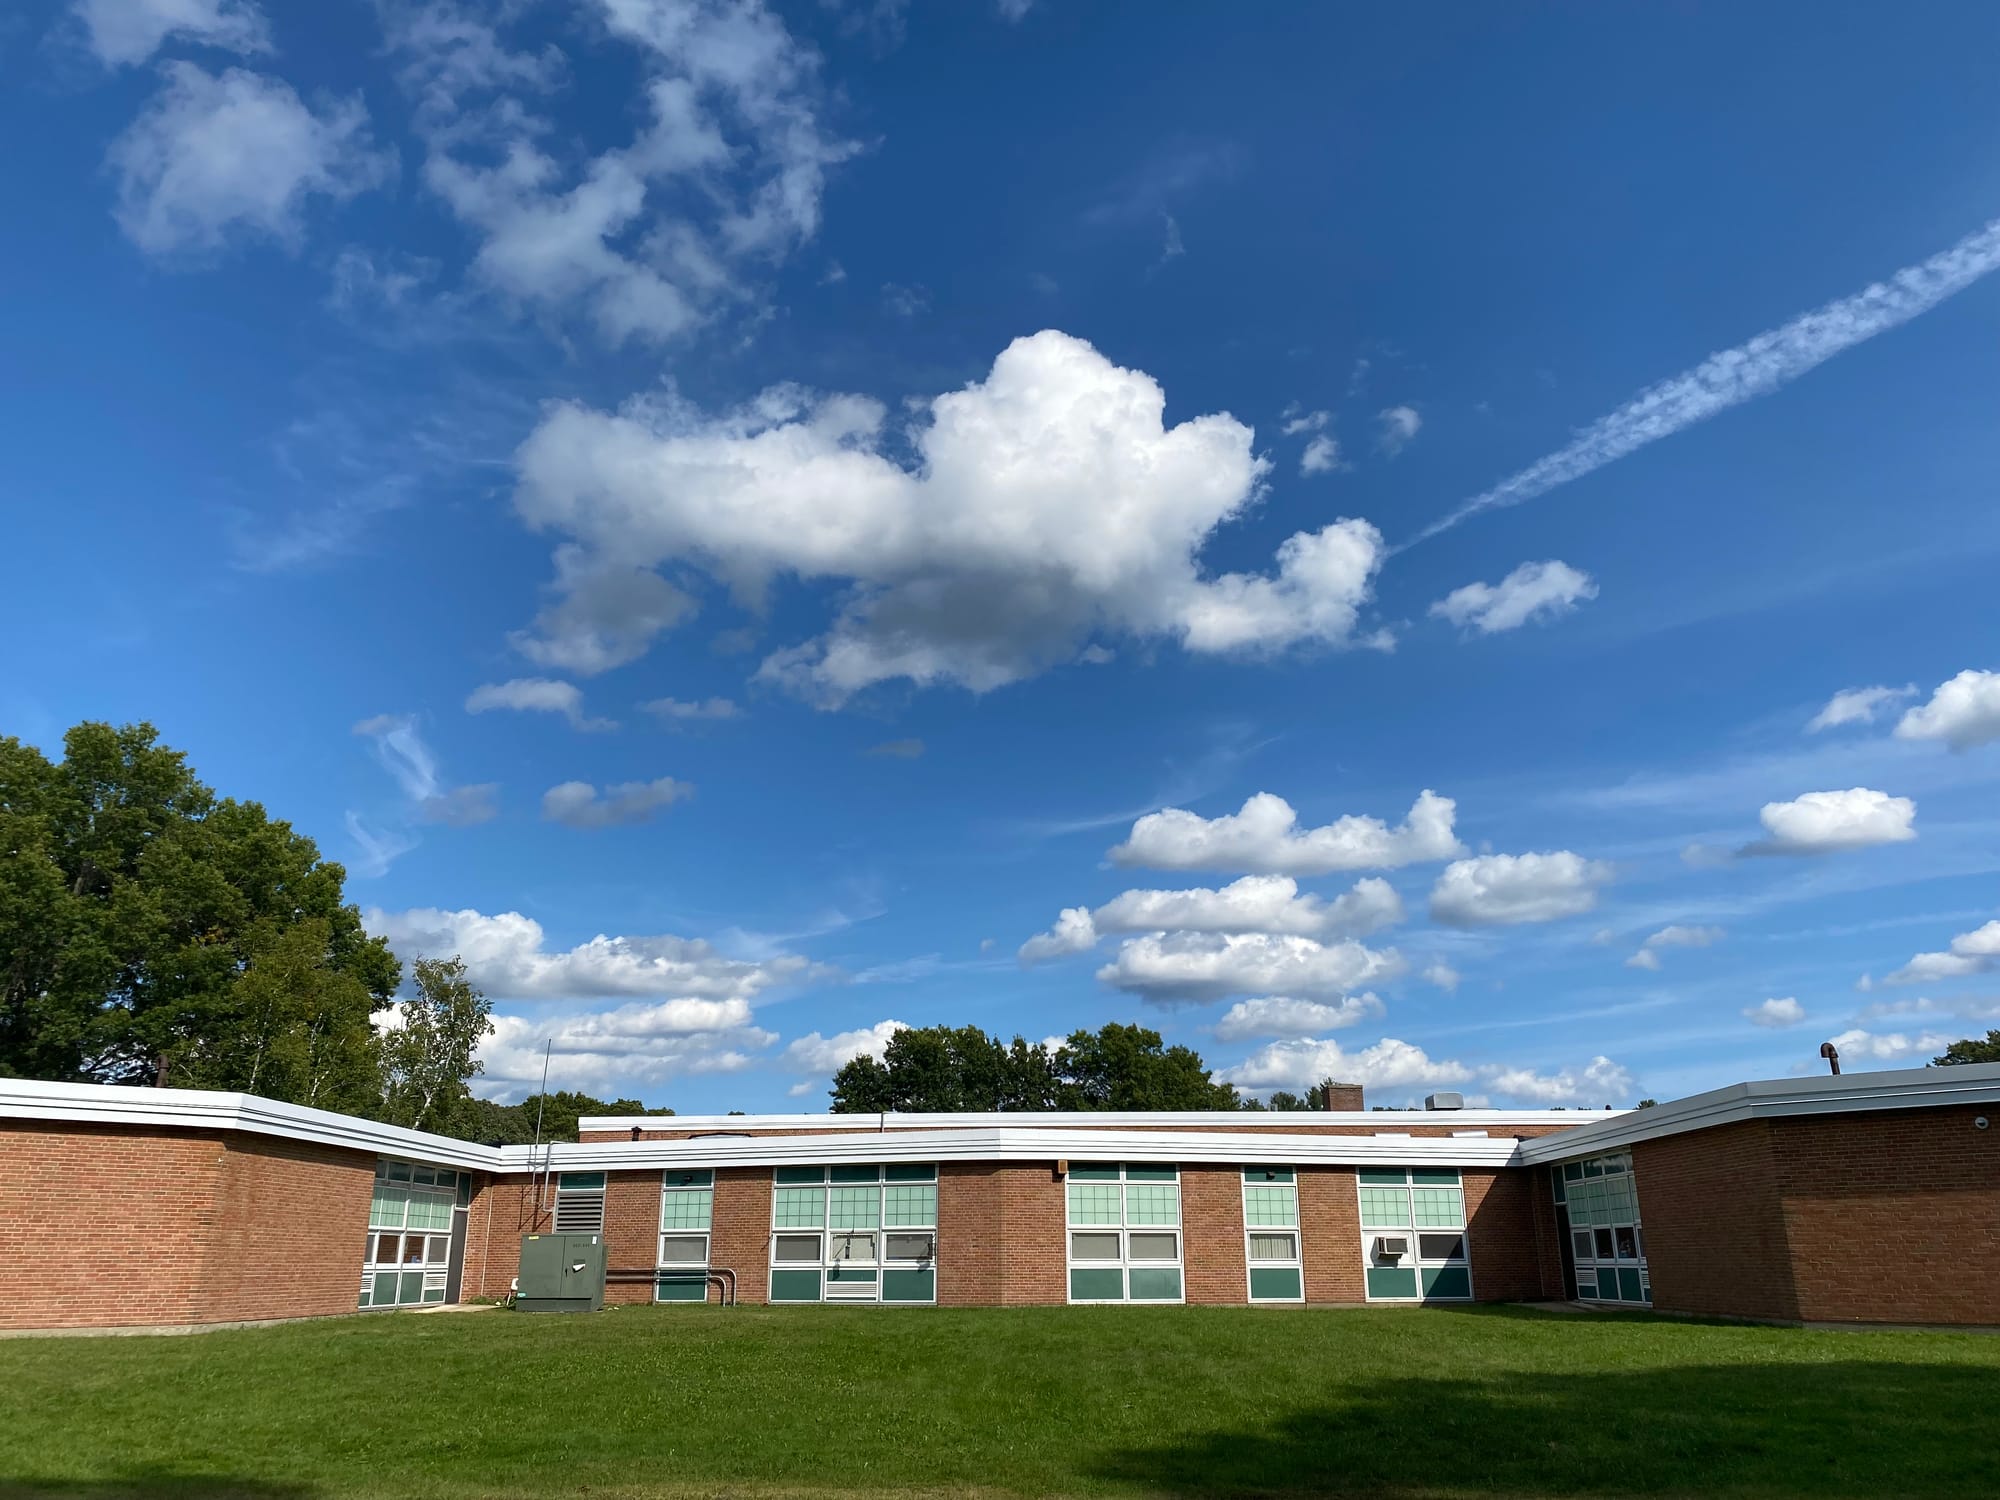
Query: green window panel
x=1388 y=1282
x=1271 y=1207
x=681 y=1289
x=1628 y=1284
x=365 y=1289
x=909 y=1286
x=857 y=1174
x=1276 y=1284
x=1093 y=1171
x=385 y=1288
x=1385 y=1207
x=585 y=1182
x=799 y=1208
x=843 y=1272
x=1155 y=1284
x=1096 y=1285
x=412 y=1289
x=795 y=1286
x=687 y=1209
x=690 y=1178
x=399 y=1171
x=1267 y=1174
x=909 y=1205
x=1439 y=1207
x=385 y=1209
x=1384 y=1176
x=1093 y=1202
x=1447 y=1281
x=799 y=1176
x=434 y=1294
x=1152 y=1174
x=1148 y=1203
x=1434 y=1176
x=911 y=1172
x=854 y=1208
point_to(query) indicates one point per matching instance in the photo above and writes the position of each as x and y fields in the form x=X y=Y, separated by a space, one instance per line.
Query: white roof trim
x=1279 y=1120
x=1014 y=1143
x=1778 y=1098
x=203 y=1109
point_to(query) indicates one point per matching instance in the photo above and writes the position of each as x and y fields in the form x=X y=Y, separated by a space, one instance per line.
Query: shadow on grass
x=150 y=1484
x=1841 y=1428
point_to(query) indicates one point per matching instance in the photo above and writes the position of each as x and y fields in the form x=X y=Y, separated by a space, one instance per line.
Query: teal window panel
x=1090 y=1284
x=1152 y=1174
x=1152 y=1203
x=1391 y=1282
x=909 y=1204
x=365 y=1289
x=1447 y=1281
x=854 y=1207
x=688 y=1179
x=1572 y=1171
x=399 y=1171
x=589 y=1182
x=1267 y=1174
x=385 y=1209
x=795 y=1286
x=1385 y=1207
x=412 y=1289
x=385 y=1288
x=1276 y=1284
x=798 y=1176
x=1155 y=1283
x=434 y=1294
x=1093 y=1171
x=911 y=1172
x=799 y=1208
x=909 y=1286
x=1439 y=1207
x=1384 y=1176
x=842 y=1271
x=687 y=1209
x=1271 y=1207
x=1093 y=1202
x=424 y=1176
x=1586 y=1285
x=857 y=1174
x=1434 y=1176
x=429 y=1212
x=1628 y=1284
x=682 y=1289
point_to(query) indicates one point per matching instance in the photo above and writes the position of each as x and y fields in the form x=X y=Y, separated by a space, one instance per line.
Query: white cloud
x=1601 y=1081
x=1963 y=712
x=1857 y=706
x=1012 y=11
x=1756 y=368
x=724 y=174
x=1534 y=591
x=536 y=695
x=1399 y=426
x=608 y=1052
x=579 y=804
x=1893 y=1046
x=1673 y=936
x=1321 y=456
x=1283 y=1016
x=1830 y=822
x=1503 y=889
x=679 y=711
x=1443 y=975
x=813 y=1053
x=905 y=749
x=1959 y=1008
x=506 y=956
x=217 y=158
x=376 y=848
x=1298 y=421
x=1975 y=952
x=1043 y=505
x=905 y=301
x=1263 y=837
x=1073 y=933
x=1785 y=1012
x=400 y=750
x=461 y=806
x=1256 y=903
x=1299 y=1064
x=605 y=614
x=124 y=32
x=1177 y=967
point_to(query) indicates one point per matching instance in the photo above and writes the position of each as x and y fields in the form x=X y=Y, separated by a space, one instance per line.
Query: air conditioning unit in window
x=1391 y=1248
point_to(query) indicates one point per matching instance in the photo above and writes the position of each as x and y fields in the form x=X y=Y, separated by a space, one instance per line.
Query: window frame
x=681 y=1187
x=444 y=1188
x=1580 y=1188
x=1411 y=1229
x=1272 y=1177
x=870 y=1281
x=1128 y=1224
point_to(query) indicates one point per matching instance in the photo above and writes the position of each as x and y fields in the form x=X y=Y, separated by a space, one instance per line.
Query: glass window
x=1441 y=1246
x=1093 y=1246
x=1152 y=1245
x=1265 y=1245
x=1627 y=1243
x=859 y=1247
x=854 y=1207
x=909 y=1205
x=854 y=1201
x=687 y=1210
x=908 y=1246
x=1408 y=1255
x=1271 y=1234
x=683 y=1249
x=1607 y=1248
x=1607 y=1242
x=796 y=1247
x=1122 y=1220
x=409 y=1220
x=1580 y=1243
x=1152 y=1203
x=1385 y=1206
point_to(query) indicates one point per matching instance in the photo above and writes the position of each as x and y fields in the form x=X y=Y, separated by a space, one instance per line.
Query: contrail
x=1757 y=368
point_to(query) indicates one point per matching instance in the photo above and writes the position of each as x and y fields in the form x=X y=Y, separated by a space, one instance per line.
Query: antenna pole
x=541 y=1103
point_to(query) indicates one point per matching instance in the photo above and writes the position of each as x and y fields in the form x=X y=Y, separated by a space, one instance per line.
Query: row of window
x=1597 y=1202
x=407 y=1260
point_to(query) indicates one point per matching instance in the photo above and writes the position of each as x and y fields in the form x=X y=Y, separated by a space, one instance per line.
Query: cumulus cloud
x=1298 y=422
x=1300 y=1063
x=1443 y=975
x=216 y=158
x=124 y=32
x=1399 y=426
x=507 y=955
x=1256 y=903
x=581 y=805
x=1286 y=1017
x=1263 y=837
x=1785 y=1012
x=1831 y=822
x=1600 y=1081
x=1042 y=505
x=1321 y=456
x=1975 y=952
x=1963 y=712
x=1185 y=967
x=1959 y=1007
x=813 y=1053
x=1073 y=933
x=1890 y=1046
x=1534 y=591
x=680 y=711
x=536 y=695
x=1673 y=936
x=610 y=1052
x=604 y=614
x=1505 y=889
x=1857 y=706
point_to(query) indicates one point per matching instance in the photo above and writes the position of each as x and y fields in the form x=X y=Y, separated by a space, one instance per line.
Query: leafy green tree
x=494 y=1124
x=1130 y=1067
x=151 y=932
x=428 y=1058
x=1970 y=1050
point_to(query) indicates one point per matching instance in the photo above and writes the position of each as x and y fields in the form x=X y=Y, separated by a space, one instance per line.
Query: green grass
x=1057 y=1401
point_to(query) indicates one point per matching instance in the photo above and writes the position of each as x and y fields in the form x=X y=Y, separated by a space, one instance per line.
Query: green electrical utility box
x=561 y=1273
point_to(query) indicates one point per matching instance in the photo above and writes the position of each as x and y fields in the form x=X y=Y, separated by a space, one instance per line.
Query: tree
x=493 y=1124
x=428 y=1058
x=946 y=1069
x=151 y=932
x=1970 y=1050
x=1312 y=1098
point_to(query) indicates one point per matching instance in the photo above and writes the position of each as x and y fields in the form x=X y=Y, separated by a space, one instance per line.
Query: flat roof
x=1250 y=1119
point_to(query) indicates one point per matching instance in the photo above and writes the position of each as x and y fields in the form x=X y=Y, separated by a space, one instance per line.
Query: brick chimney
x=1343 y=1096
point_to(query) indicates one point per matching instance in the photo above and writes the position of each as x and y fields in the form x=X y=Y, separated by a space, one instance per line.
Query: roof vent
x=1444 y=1101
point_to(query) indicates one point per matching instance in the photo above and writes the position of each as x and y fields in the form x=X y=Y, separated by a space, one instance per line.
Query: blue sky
x=1338 y=535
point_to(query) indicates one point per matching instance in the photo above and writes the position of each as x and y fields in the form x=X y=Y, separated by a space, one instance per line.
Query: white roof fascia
x=203 y=1109
x=1278 y=1120
x=1014 y=1144
x=1778 y=1098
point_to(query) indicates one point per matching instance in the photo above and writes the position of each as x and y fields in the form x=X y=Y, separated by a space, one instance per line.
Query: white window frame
x=1250 y=1231
x=1125 y=1228
x=1412 y=1231
x=862 y=1293
x=691 y=1183
x=1609 y=1164
x=434 y=1184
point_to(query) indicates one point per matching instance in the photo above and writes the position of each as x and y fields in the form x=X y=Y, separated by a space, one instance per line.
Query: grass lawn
x=1052 y=1401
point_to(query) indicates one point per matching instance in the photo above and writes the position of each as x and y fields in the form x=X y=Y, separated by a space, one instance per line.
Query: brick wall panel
x=1212 y=1250
x=1500 y=1235
x=1330 y=1235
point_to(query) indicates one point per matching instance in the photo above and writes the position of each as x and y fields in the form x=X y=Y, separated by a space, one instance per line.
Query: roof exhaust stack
x=1444 y=1101
x=1832 y=1055
x=1341 y=1097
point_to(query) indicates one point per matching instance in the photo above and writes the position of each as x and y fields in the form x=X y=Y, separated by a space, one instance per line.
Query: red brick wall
x=1715 y=1232
x=1330 y=1234
x=1212 y=1251
x=503 y=1210
x=288 y=1227
x=1034 y=1264
x=1500 y=1235
x=631 y=1234
x=971 y=1247
x=740 y=1236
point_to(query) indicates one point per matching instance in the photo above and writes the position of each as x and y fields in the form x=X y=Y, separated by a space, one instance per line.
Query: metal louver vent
x=579 y=1213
